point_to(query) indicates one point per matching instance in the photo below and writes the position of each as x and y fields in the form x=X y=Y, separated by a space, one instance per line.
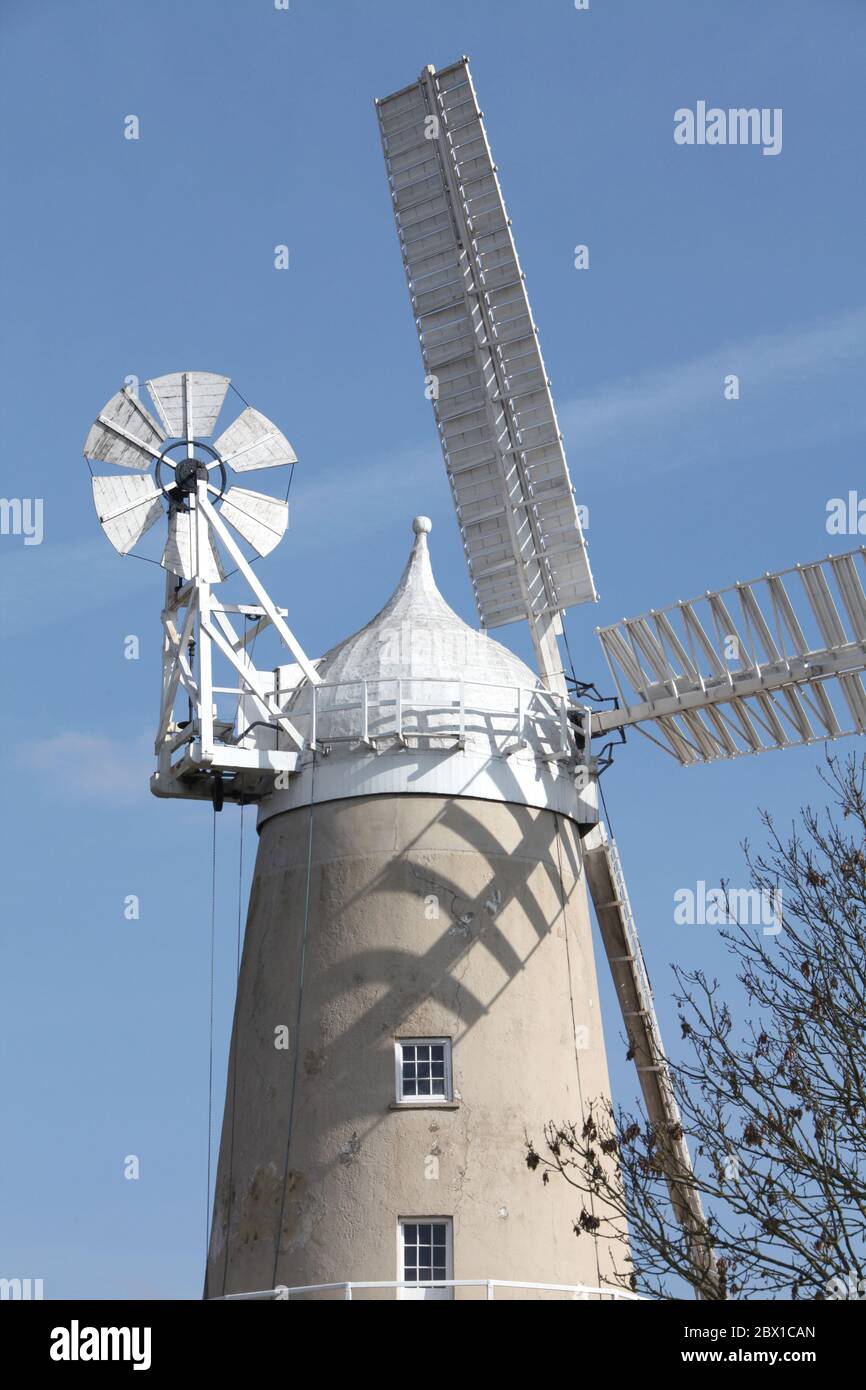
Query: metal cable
x=604 y=808
x=255 y=559
x=568 y=651
x=232 y=387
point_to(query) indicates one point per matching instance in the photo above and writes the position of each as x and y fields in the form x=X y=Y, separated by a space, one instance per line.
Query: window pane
x=425 y=1253
x=423 y=1071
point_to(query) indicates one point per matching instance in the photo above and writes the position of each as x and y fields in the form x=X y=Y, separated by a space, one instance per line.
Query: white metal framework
x=415 y=711
x=423 y=1071
x=485 y=373
x=180 y=476
x=771 y=663
x=197 y=630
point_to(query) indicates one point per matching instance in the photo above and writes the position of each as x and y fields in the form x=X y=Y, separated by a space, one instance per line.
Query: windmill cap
x=415 y=636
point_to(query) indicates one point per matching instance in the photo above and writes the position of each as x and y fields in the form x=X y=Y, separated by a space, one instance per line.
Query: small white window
x=423 y=1070
x=425 y=1255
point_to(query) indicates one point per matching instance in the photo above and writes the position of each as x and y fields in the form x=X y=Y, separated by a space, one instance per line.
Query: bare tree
x=773 y=1107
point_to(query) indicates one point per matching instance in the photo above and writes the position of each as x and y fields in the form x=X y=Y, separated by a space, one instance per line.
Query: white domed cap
x=417 y=634
x=418 y=648
x=418 y=702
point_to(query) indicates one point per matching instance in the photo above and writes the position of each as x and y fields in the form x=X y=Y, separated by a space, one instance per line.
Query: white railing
x=347 y=1288
x=435 y=707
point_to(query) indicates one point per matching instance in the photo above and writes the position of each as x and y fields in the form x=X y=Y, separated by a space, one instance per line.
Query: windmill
x=172 y=473
x=428 y=819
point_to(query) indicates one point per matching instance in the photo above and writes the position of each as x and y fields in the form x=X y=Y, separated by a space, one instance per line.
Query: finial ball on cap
x=422 y=523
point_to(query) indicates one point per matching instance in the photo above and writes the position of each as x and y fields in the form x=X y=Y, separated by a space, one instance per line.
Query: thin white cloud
x=797 y=389
x=89 y=765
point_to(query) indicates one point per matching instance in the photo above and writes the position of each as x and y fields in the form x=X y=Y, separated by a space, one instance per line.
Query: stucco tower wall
x=344 y=946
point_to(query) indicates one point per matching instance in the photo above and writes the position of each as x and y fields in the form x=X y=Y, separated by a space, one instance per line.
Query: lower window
x=426 y=1256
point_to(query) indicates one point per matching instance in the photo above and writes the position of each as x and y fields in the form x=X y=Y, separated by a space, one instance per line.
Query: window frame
x=400 y=1098
x=418 y=1295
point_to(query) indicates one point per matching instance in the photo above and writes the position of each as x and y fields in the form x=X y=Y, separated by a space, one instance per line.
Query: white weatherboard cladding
x=520 y=781
x=261 y=520
x=253 y=441
x=500 y=438
x=125 y=433
x=189 y=402
x=127 y=507
x=415 y=637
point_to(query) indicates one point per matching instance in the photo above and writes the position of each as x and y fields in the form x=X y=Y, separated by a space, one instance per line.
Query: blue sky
x=142 y=257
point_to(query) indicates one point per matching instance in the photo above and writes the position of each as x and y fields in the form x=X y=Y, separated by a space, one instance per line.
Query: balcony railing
x=348 y=1288
x=424 y=710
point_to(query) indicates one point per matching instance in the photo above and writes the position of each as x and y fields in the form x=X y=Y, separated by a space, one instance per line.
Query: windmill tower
x=419 y=923
x=418 y=983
